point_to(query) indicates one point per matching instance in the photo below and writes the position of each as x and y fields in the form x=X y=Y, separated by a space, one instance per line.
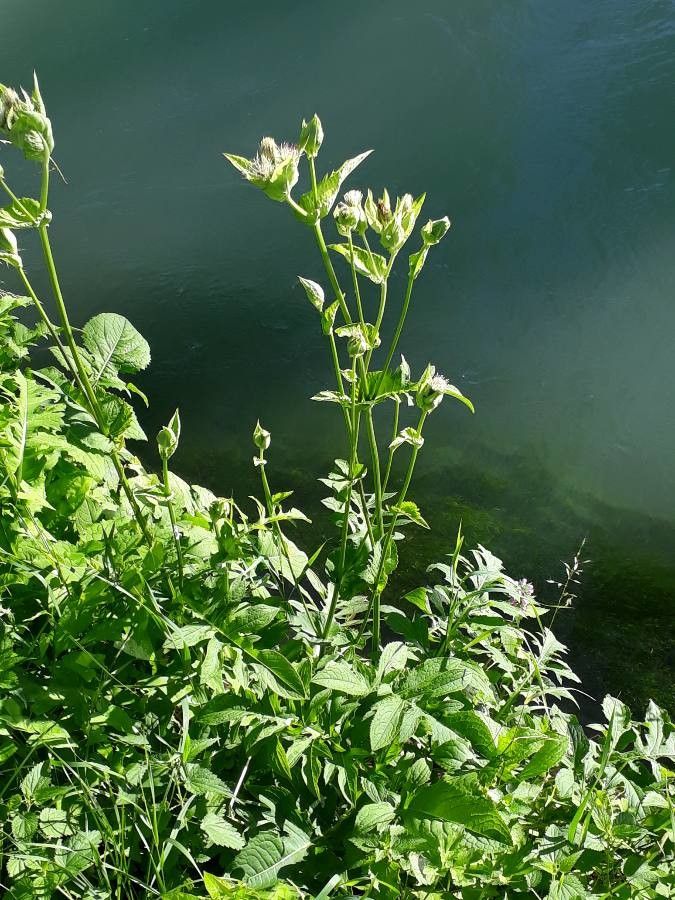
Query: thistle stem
x=83 y=377
x=375 y=599
x=355 y=281
x=172 y=518
x=397 y=333
x=390 y=457
x=345 y=521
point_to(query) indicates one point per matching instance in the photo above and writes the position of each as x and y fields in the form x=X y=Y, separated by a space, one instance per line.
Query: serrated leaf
x=187 y=636
x=548 y=755
x=202 y=781
x=394 y=658
x=115 y=345
x=451 y=801
x=329 y=187
x=22 y=213
x=283 y=669
x=370 y=265
x=436 y=677
x=221 y=832
x=373 y=816
x=339 y=675
x=266 y=853
x=385 y=721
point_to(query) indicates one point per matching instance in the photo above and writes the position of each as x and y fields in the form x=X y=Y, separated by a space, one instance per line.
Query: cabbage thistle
x=274 y=168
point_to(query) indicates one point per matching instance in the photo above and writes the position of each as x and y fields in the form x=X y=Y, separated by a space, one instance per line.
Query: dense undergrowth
x=192 y=705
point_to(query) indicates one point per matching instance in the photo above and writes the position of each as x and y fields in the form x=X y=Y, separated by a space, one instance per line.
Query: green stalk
x=345 y=521
x=172 y=517
x=269 y=505
x=383 y=297
x=330 y=271
x=390 y=458
x=83 y=377
x=355 y=281
x=375 y=599
x=377 y=479
x=48 y=322
x=397 y=333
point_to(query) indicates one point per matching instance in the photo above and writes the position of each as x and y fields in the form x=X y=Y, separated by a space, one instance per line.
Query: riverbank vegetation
x=197 y=700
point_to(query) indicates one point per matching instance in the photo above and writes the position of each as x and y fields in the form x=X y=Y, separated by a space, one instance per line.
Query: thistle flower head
x=274 y=168
x=522 y=594
x=270 y=155
x=24 y=120
x=432 y=387
x=349 y=214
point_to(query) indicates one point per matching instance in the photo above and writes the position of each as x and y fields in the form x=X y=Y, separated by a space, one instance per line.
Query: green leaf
x=23 y=213
x=373 y=816
x=115 y=345
x=410 y=510
x=394 y=658
x=54 y=823
x=188 y=636
x=202 y=781
x=437 y=677
x=385 y=721
x=550 y=754
x=370 y=265
x=454 y=801
x=267 y=853
x=329 y=187
x=221 y=832
x=339 y=675
x=281 y=668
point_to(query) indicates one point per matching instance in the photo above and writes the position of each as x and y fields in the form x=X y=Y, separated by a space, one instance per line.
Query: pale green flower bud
x=9 y=100
x=346 y=218
x=378 y=212
x=360 y=338
x=396 y=231
x=435 y=230
x=311 y=136
x=25 y=122
x=168 y=437
x=261 y=438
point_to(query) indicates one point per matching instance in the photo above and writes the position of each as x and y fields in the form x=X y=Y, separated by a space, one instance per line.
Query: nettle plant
x=191 y=704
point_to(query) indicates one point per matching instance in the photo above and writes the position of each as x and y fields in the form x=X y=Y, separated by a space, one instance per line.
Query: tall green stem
x=345 y=520
x=82 y=375
x=390 y=456
x=375 y=599
x=399 y=329
x=172 y=518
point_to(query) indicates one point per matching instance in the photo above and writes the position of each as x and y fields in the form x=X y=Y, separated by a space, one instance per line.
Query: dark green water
x=546 y=130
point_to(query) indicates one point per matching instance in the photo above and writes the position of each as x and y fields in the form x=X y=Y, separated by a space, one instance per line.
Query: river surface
x=545 y=130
